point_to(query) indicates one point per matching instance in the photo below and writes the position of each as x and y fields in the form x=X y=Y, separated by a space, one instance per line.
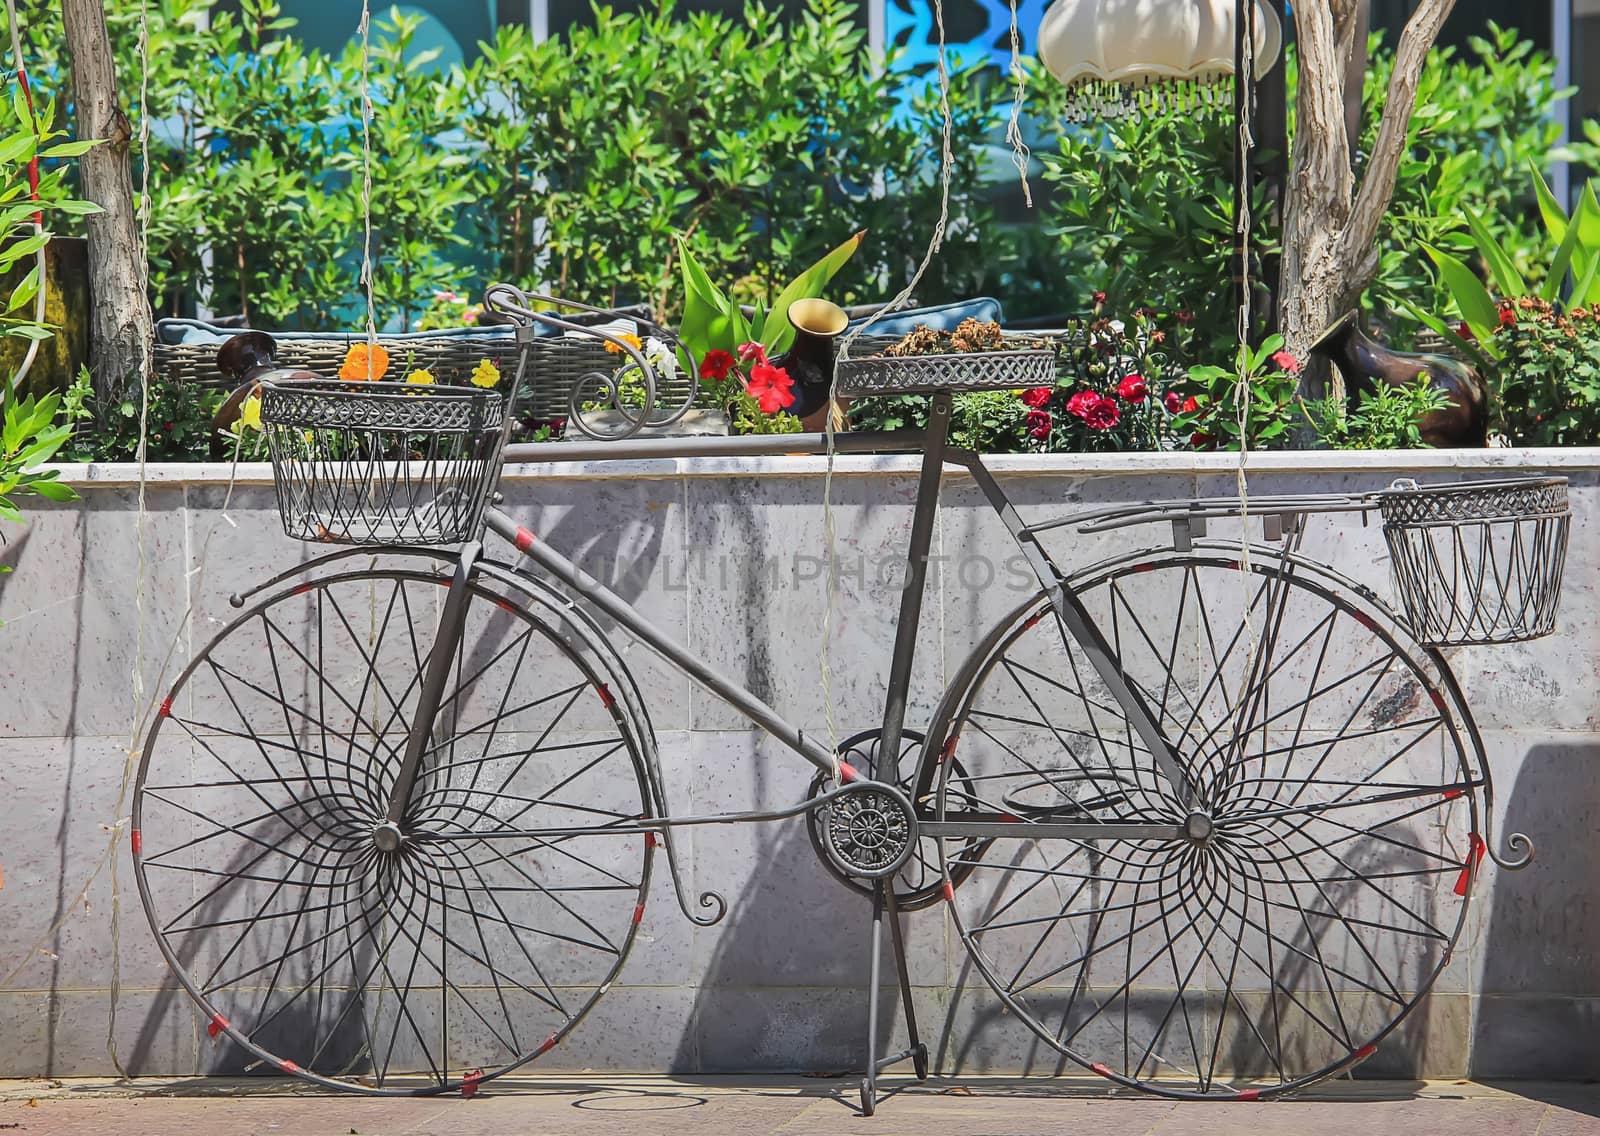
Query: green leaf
x=1472 y=298
x=1485 y=352
x=1551 y=288
x=1506 y=276
x=69 y=149
x=779 y=332
x=1555 y=217
x=51 y=490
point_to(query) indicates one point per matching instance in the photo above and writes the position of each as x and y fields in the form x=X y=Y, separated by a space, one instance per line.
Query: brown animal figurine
x=246 y=358
x=1366 y=363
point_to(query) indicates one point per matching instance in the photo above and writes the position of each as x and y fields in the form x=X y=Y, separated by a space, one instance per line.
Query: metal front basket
x=966 y=371
x=381 y=463
x=1478 y=562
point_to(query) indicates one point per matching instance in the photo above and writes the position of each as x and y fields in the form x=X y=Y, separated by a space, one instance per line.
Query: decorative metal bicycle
x=1206 y=821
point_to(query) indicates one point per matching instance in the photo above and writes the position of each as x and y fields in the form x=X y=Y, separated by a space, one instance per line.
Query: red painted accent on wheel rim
x=469 y=1083
x=847 y=772
x=1452 y=794
x=549 y=1044
x=605 y=695
x=288 y=1066
x=1247 y=1095
x=1101 y=1068
x=524 y=540
x=301 y=589
x=1366 y=1051
x=135 y=840
x=949 y=750
x=166 y=707
x=638 y=912
x=217 y=1024
x=949 y=892
x=649 y=840
x=1475 y=850
x=505 y=605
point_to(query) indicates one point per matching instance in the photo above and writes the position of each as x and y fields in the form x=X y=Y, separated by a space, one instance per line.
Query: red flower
x=752 y=353
x=1132 y=388
x=1103 y=415
x=1200 y=439
x=1465 y=332
x=1507 y=317
x=1082 y=403
x=1039 y=423
x=1190 y=405
x=771 y=387
x=1145 y=313
x=716 y=364
x=1286 y=362
x=1099 y=299
x=1037 y=397
x=1184 y=316
x=1173 y=402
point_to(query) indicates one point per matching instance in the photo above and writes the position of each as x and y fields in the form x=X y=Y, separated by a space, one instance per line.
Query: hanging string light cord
x=1246 y=142
x=1021 y=156
x=946 y=166
x=366 y=183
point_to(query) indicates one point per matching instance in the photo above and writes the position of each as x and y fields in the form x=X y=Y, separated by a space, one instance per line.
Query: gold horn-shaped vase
x=817 y=327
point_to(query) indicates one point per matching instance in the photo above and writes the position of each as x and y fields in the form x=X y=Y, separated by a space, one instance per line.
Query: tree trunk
x=1330 y=228
x=120 y=324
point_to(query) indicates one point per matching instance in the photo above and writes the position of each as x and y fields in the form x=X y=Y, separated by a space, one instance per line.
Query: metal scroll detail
x=646 y=389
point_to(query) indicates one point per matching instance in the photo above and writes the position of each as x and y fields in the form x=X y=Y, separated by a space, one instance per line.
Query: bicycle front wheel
x=454 y=949
x=1320 y=882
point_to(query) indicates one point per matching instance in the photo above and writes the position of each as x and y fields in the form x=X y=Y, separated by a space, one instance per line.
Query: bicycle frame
x=935 y=455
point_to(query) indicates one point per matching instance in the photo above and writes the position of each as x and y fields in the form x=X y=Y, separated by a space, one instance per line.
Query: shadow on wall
x=1539 y=1014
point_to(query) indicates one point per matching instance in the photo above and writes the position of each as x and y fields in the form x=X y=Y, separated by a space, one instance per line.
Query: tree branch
x=1377 y=183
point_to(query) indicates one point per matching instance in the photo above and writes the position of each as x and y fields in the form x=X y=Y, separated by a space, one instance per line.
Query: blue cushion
x=176 y=331
x=940 y=317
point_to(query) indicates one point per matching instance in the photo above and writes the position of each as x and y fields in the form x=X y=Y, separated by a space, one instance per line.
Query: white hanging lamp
x=1116 y=56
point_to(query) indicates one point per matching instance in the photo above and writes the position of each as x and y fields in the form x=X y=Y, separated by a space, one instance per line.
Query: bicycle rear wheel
x=1319 y=896
x=463 y=948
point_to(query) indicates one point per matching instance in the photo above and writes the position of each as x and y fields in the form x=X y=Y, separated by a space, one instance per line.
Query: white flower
x=661 y=358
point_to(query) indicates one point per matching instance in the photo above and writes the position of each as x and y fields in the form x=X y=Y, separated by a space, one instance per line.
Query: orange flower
x=627 y=337
x=360 y=366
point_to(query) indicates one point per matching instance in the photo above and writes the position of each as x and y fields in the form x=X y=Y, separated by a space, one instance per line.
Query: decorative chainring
x=868 y=831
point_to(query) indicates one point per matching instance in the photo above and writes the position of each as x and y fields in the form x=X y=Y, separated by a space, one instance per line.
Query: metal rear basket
x=1478 y=562
x=966 y=371
x=381 y=463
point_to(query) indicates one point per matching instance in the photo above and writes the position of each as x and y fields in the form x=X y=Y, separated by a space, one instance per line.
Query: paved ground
x=664 y=1106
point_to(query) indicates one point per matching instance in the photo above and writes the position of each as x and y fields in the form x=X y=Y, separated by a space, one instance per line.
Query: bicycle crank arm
x=1020 y=830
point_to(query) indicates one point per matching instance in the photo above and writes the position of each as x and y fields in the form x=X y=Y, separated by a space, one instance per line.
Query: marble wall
x=106 y=599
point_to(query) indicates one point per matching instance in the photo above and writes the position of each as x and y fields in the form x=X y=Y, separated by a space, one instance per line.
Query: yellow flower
x=627 y=337
x=485 y=374
x=361 y=365
x=421 y=376
x=250 y=413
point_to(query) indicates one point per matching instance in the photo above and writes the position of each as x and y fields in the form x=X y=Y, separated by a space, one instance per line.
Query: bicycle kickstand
x=883 y=904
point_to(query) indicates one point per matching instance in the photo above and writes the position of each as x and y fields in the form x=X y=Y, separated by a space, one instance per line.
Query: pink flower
x=1037 y=397
x=752 y=353
x=1103 y=415
x=1286 y=362
x=1039 y=423
x=1132 y=388
x=1184 y=316
x=771 y=387
x=1172 y=402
